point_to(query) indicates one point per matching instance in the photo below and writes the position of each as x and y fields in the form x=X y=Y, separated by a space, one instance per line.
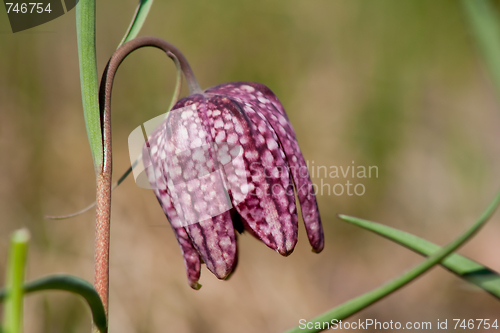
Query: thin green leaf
x=359 y=303
x=465 y=268
x=13 y=310
x=485 y=24
x=75 y=285
x=92 y=205
x=137 y=21
x=85 y=28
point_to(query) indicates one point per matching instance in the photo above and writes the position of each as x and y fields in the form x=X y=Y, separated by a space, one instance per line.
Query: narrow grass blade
x=13 y=310
x=92 y=205
x=85 y=28
x=140 y=15
x=465 y=268
x=359 y=303
x=75 y=285
x=485 y=24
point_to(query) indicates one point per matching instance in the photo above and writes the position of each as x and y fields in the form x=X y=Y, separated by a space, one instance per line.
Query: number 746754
x=24 y=7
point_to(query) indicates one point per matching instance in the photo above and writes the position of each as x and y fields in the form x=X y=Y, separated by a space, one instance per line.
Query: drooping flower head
x=225 y=160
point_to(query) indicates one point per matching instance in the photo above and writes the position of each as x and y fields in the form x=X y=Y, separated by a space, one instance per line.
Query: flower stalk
x=104 y=175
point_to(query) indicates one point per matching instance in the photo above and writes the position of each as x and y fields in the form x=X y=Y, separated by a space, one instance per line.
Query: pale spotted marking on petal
x=277 y=117
x=261 y=221
x=221 y=260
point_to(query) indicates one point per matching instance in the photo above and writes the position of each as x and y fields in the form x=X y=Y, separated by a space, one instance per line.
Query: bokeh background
x=389 y=83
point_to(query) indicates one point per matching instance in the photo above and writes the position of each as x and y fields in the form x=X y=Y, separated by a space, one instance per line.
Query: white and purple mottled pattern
x=261 y=102
x=237 y=137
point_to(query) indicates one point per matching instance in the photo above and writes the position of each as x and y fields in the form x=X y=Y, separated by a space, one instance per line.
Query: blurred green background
x=396 y=84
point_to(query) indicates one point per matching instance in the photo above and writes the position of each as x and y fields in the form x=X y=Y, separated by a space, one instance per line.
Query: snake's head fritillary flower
x=225 y=160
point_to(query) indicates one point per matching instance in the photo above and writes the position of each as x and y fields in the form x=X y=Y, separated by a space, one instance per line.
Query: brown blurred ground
x=396 y=84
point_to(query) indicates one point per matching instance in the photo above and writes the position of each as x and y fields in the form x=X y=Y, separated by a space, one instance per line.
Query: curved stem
x=109 y=73
x=103 y=200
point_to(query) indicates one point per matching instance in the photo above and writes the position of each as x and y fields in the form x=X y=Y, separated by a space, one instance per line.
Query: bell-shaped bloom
x=226 y=160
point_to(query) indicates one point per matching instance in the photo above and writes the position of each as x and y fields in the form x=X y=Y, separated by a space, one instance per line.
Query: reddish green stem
x=103 y=178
